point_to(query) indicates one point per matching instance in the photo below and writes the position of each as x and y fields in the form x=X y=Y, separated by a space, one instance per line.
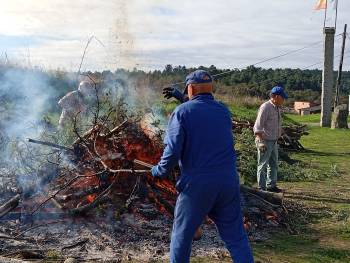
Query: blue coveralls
x=199 y=138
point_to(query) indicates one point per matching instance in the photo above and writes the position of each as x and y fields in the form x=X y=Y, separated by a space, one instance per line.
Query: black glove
x=173 y=92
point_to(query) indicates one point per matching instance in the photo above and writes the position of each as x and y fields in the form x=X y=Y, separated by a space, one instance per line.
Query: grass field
x=312 y=118
x=326 y=236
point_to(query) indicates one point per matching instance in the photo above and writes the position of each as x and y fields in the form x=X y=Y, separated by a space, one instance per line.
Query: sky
x=148 y=34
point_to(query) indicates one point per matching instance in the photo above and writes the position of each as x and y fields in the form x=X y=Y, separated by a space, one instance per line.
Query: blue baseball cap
x=279 y=91
x=197 y=77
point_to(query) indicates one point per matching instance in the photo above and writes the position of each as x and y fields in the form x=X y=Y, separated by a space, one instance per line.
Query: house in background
x=306 y=107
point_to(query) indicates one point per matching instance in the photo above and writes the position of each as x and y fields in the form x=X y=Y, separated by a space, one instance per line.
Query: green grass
x=312 y=118
x=298 y=249
x=344 y=231
x=238 y=111
x=168 y=106
x=326 y=235
x=326 y=148
x=243 y=113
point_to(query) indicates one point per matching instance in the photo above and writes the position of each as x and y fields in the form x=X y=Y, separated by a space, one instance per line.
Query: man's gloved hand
x=260 y=144
x=173 y=92
x=154 y=171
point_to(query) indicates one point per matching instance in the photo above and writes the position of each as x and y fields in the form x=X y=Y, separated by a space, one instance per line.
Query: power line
x=269 y=80
x=320 y=62
x=263 y=61
x=275 y=57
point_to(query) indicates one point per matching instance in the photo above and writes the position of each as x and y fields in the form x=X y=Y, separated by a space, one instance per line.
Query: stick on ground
x=9 y=205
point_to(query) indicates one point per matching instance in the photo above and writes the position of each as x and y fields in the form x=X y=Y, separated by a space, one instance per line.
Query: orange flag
x=321 y=4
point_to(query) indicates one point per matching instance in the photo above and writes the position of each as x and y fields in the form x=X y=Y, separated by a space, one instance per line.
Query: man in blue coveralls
x=199 y=138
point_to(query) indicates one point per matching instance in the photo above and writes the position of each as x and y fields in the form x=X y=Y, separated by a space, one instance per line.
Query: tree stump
x=340 y=118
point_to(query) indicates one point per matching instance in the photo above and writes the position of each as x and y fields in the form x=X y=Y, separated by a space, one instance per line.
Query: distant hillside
x=253 y=81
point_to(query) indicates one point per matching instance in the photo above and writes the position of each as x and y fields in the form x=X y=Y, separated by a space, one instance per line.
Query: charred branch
x=79 y=194
x=103 y=197
x=12 y=260
x=56 y=193
x=50 y=144
x=9 y=205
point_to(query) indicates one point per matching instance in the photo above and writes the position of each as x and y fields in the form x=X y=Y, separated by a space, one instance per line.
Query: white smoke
x=26 y=94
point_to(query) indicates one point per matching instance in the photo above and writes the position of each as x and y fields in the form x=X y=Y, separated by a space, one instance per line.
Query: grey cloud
x=225 y=33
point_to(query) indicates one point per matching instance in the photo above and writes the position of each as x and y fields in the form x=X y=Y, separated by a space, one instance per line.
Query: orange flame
x=91 y=198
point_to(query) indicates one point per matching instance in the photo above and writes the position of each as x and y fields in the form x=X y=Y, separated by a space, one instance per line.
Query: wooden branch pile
x=113 y=168
x=290 y=138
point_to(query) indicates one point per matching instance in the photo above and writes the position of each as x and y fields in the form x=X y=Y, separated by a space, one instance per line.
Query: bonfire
x=103 y=181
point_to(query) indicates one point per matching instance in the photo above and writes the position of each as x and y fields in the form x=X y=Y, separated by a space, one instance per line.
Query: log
x=79 y=243
x=12 y=260
x=50 y=144
x=273 y=198
x=86 y=208
x=115 y=130
x=86 y=135
x=80 y=194
x=56 y=203
x=100 y=199
x=9 y=205
x=15 y=238
x=148 y=165
x=32 y=254
x=95 y=129
x=158 y=199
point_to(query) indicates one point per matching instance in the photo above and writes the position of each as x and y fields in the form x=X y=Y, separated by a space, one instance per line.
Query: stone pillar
x=340 y=118
x=327 y=77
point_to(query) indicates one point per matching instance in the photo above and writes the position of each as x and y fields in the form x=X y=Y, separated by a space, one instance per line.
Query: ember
x=114 y=164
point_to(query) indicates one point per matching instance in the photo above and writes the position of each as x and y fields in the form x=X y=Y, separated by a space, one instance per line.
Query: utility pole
x=327 y=77
x=337 y=85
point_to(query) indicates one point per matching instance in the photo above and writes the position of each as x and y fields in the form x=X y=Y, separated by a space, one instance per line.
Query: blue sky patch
x=163 y=11
x=12 y=42
x=9 y=42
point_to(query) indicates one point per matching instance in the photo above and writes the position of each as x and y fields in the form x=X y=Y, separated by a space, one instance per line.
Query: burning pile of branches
x=111 y=164
x=110 y=167
x=114 y=166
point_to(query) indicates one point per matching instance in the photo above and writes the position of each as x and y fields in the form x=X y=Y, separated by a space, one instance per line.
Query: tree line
x=252 y=81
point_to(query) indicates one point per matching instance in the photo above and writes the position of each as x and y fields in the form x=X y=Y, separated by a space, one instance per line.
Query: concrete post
x=327 y=77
